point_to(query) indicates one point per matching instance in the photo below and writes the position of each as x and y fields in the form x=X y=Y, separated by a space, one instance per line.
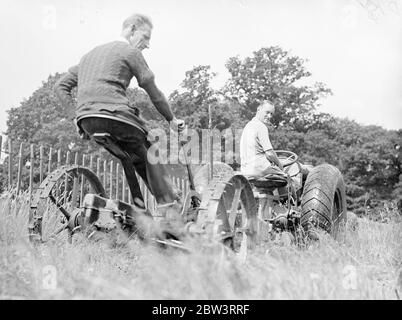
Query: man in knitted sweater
x=102 y=78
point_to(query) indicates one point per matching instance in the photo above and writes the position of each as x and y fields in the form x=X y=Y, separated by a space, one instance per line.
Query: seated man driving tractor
x=261 y=165
x=256 y=153
x=102 y=77
x=258 y=159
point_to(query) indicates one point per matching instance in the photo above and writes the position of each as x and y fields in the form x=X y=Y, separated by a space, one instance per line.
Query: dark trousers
x=135 y=143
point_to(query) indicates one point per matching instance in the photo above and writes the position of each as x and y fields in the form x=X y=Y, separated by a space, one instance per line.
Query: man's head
x=137 y=29
x=265 y=111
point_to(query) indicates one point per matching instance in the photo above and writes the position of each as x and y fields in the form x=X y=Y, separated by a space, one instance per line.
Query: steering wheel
x=287 y=158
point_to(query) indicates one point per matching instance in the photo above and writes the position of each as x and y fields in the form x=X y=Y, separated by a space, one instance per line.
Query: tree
x=139 y=99
x=193 y=102
x=41 y=107
x=272 y=73
x=366 y=156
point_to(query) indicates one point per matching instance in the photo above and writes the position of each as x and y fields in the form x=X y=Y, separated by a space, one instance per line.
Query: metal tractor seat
x=111 y=144
x=275 y=178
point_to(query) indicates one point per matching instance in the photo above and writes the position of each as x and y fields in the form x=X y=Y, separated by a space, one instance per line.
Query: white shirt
x=121 y=38
x=254 y=142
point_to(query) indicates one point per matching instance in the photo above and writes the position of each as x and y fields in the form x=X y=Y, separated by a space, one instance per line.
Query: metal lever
x=189 y=171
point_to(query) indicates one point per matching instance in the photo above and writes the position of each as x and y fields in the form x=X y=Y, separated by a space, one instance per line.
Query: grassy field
x=365 y=264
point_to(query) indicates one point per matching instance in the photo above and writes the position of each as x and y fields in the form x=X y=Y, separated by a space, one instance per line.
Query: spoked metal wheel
x=229 y=213
x=55 y=206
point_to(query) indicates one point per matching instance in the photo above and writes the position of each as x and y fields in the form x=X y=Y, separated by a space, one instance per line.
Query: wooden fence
x=42 y=163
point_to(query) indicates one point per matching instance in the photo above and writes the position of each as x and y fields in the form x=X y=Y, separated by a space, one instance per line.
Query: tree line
x=369 y=156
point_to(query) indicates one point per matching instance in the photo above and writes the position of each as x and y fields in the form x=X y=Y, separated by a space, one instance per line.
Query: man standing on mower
x=256 y=152
x=102 y=78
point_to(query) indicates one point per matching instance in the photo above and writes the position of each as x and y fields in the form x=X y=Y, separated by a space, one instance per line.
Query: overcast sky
x=356 y=54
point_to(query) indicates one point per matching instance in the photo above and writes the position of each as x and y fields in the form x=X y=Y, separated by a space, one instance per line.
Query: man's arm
x=265 y=142
x=272 y=157
x=64 y=87
x=158 y=99
x=146 y=80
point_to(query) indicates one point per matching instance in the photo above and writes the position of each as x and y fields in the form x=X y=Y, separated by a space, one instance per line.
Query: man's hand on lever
x=273 y=158
x=177 y=124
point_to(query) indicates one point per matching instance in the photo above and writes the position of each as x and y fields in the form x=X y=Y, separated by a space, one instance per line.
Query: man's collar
x=256 y=119
x=121 y=38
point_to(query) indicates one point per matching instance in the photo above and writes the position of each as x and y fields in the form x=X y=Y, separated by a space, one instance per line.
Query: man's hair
x=263 y=102
x=137 y=20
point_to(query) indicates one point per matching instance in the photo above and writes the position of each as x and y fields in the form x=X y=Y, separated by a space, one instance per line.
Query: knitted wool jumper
x=103 y=76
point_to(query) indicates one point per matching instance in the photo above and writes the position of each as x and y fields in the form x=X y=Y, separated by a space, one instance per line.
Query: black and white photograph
x=204 y=156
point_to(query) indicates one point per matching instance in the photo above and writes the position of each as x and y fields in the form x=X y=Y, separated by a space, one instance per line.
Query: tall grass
x=364 y=264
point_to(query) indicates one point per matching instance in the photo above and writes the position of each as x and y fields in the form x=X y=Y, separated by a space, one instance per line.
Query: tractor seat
x=111 y=144
x=274 y=178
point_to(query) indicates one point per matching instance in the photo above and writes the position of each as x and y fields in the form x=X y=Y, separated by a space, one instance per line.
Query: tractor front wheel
x=323 y=201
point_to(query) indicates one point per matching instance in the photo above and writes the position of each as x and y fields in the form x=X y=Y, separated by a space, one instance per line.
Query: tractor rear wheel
x=323 y=201
x=57 y=202
x=228 y=213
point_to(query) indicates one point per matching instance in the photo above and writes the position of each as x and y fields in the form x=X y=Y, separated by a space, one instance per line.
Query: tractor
x=221 y=205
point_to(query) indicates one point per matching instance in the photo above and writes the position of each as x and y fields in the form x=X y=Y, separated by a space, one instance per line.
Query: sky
x=353 y=48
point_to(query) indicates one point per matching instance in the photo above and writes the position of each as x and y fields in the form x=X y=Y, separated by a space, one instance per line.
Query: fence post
x=154 y=205
x=66 y=177
x=104 y=174
x=185 y=188
x=124 y=185
x=210 y=149
x=58 y=166
x=117 y=180
x=75 y=184
x=40 y=164
x=19 y=169
x=82 y=181
x=31 y=174
x=91 y=164
x=68 y=158
x=144 y=191
x=58 y=158
x=10 y=167
x=139 y=181
x=49 y=169
x=181 y=184
x=98 y=167
x=140 y=185
x=111 y=180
